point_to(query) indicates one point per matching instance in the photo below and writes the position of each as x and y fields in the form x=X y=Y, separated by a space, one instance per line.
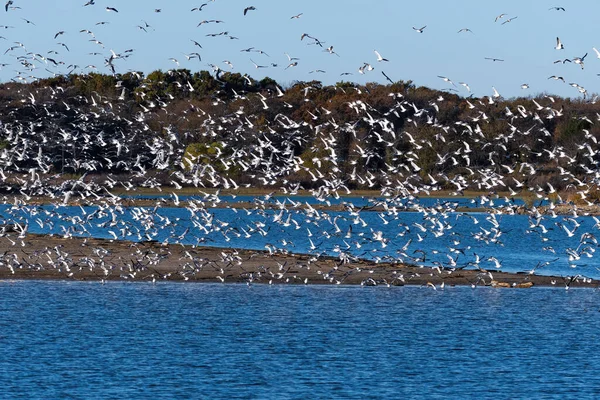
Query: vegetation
x=181 y=125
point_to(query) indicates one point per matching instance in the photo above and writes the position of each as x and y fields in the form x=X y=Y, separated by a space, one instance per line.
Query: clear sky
x=354 y=28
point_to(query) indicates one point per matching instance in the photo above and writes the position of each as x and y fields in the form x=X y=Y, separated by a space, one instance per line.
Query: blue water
x=519 y=247
x=357 y=201
x=82 y=340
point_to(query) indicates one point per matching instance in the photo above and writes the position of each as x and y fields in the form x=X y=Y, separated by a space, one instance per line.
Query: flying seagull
x=112 y=9
x=579 y=60
x=251 y=8
x=379 y=58
x=508 y=20
x=446 y=80
x=559 y=45
x=420 y=30
x=387 y=77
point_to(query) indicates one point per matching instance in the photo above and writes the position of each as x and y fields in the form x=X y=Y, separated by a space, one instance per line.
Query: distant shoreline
x=45 y=257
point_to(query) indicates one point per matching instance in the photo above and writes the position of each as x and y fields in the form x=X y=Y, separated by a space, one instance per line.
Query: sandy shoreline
x=51 y=257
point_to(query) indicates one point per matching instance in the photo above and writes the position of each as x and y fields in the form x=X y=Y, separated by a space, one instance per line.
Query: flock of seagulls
x=121 y=142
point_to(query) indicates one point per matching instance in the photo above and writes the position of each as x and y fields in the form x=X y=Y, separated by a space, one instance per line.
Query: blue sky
x=354 y=28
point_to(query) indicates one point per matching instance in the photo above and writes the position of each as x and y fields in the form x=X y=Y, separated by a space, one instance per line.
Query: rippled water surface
x=123 y=340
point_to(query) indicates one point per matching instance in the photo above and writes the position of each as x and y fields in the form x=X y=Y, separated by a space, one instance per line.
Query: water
x=519 y=247
x=122 y=340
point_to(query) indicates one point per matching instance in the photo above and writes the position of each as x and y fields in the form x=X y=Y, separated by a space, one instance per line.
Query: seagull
x=290 y=58
x=465 y=85
x=387 y=77
x=296 y=16
x=579 y=60
x=559 y=45
x=557 y=8
x=199 y=8
x=330 y=51
x=258 y=66
x=8 y=4
x=379 y=58
x=499 y=17
x=493 y=59
x=89 y=3
x=112 y=9
x=446 y=80
x=597 y=52
x=465 y=30
x=251 y=8
x=525 y=86
x=420 y=30
x=508 y=20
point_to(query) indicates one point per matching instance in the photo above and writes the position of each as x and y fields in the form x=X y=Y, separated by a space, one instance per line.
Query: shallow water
x=169 y=340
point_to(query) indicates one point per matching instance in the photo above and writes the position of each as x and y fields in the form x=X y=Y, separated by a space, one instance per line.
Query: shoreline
x=44 y=257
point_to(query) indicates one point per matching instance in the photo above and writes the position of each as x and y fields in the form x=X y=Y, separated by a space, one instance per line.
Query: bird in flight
x=296 y=16
x=112 y=9
x=258 y=66
x=493 y=59
x=465 y=30
x=89 y=3
x=557 y=8
x=579 y=60
x=508 y=20
x=499 y=17
x=420 y=30
x=387 y=77
x=199 y=8
x=251 y=8
x=446 y=80
x=559 y=45
x=8 y=4
x=379 y=58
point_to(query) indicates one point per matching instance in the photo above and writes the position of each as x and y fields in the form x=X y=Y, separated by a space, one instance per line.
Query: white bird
x=446 y=80
x=559 y=45
x=420 y=30
x=379 y=58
